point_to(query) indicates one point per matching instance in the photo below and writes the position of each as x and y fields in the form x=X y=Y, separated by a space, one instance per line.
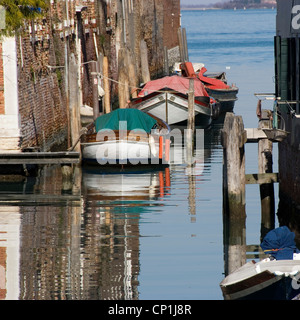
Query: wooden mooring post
x=190 y=122
x=234 y=137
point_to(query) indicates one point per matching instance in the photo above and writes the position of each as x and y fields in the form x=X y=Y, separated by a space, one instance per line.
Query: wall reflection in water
x=78 y=240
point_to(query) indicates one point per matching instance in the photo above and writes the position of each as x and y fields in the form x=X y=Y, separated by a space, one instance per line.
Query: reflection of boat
x=215 y=85
x=167 y=99
x=267 y=279
x=126 y=136
x=136 y=184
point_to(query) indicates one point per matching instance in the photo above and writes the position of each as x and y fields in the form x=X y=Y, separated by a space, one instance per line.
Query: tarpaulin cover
x=135 y=119
x=280 y=243
x=210 y=82
x=176 y=83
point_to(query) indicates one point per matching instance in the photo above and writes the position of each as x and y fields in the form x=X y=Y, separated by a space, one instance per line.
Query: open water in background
x=150 y=234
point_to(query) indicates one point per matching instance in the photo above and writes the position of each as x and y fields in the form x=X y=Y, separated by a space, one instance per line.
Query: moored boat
x=266 y=279
x=220 y=90
x=126 y=137
x=167 y=99
x=274 y=278
x=215 y=84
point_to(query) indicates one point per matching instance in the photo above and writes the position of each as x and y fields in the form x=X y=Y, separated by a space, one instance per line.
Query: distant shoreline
x=200 y=8
x=206 y=8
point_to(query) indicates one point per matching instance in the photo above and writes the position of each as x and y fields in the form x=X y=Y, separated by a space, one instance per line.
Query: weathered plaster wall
x=103 y=28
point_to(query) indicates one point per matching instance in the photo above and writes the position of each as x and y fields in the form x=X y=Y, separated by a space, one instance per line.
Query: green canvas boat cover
x=135 y=119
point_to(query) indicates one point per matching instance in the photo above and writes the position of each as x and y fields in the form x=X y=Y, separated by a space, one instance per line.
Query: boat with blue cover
x=276 y=277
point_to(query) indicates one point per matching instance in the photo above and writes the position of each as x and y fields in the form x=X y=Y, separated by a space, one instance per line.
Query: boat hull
x=132 y=149
x=226 y=97
x=274 y=280
x=173 y=108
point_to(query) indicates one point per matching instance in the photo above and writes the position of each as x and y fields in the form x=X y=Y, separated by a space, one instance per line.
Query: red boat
x=215 y=85
x=167 y=99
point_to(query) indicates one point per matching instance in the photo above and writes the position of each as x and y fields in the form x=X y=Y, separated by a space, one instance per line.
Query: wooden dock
x=40 y=158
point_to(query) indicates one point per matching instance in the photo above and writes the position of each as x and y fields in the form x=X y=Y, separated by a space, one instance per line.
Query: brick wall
x=43 y=54
x=45 y=47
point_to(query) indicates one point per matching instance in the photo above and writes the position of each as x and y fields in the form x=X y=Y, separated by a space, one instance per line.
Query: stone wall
x=88 y=31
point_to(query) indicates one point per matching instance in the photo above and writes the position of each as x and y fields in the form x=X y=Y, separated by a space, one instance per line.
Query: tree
x=18 y=11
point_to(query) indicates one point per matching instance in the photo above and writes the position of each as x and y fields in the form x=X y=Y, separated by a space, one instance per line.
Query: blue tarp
x=135 y=119
x=280 y=243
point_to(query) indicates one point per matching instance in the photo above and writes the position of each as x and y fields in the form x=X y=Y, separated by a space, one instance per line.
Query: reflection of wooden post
x=265 y=165
x=192 y=195
x=234 y=215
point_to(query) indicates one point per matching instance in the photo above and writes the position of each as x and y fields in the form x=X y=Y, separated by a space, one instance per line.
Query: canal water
x=142 y=234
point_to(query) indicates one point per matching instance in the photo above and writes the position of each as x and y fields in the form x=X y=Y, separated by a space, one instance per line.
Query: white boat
x=274 y=278
x=126 y=137
x=167 y=99
x=266 y=279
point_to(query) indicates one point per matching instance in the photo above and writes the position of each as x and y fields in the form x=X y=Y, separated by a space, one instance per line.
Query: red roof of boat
x=176 y=83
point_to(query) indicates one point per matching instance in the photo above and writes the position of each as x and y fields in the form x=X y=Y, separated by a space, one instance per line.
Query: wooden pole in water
x=180 y=41
x=191 y=122
x=185 y=46
x=74 y=101
x=234 y=215
x=233 y=139
x=265 y=165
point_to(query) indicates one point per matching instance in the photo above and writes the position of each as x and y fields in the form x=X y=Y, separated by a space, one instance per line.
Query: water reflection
x=80 y=239
x=113 y=204
x=78 y=243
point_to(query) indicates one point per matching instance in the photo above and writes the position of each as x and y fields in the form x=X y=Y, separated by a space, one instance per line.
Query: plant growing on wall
x=19 y=11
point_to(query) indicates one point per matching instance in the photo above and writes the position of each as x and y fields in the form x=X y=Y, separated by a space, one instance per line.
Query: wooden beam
x=261 y=178
x=255 y=134
x=39 y=158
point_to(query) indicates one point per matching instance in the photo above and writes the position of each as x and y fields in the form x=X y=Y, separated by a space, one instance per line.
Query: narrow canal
x=141 y=234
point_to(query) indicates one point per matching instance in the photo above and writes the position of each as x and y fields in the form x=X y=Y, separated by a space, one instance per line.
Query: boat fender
x=296 y=256
x=167 y=150
x=161 y=147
